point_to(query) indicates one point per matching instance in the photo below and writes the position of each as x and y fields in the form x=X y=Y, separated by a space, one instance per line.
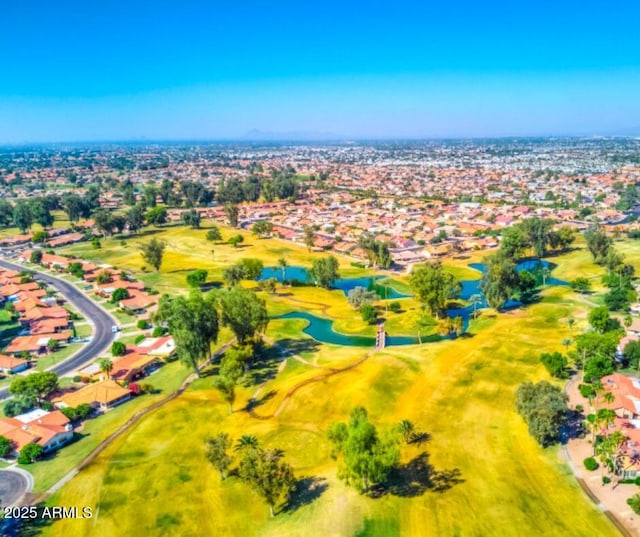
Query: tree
x=377 y=251
x=156 y=216
x=262 y=228
x=191 y=218
x=232 y=212
x=499 y=281
x=152 y=252
x=193 y=323
x=118 y=348
x=618 y=299
x=121 y=293
x=308 y=236
x=36 y=257
x=555 y=363
x=634 y=503
x=19 y=405
x=581 y=285
x=217 y=448
x=233 y=274
x=282 y=263
x=39 y=237
x=433 y=287
x=513 y=243
x=103 y=221
x=407 y=430
x=247 y=442
x=235 y=240
x=252 y=267
x=600 y=320
x=598 y=244
x=526 y=285
x=36 y=386
x=135 y=218
x=475 y=300
x=197 y=278
x=41 y=213
x=367 y=456
x=632 y=354
x=324 y=271
x=6 y=447
x=29 y=453
x=369 y=313
x=227 y=387
x=22 y=217
x=244 y=313
x=270 y=476
x=106 y=366
x=359 y=296
x=104 y=277
x=214 y=234
x=544 y=408
x=236 y=362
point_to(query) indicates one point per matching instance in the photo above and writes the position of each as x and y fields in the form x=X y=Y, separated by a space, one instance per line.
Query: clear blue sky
x=85 y=70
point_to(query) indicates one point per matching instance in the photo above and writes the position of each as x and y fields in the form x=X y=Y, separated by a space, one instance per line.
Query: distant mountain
x=290 y=136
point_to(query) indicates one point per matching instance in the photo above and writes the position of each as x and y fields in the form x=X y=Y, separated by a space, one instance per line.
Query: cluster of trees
x=197 y=278
x=282 y=185
x=556 y=364
x=535 y=235
x=501 y=280
x=377 y=252
x=544 y=408
x=596 y=349
x=264 y=470
x=194 y=321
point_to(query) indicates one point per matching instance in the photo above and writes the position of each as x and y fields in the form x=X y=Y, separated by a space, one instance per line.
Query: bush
x=590 y=464
x=158 y=331
x=30 y=453
x=138 y=339
x=142 y=324
x=118 y=348
x=118 y=295
x=634 y=503
x=606 y=480
x=77 y=378
x=369 y=313
x=395 y=307
x=146 y=388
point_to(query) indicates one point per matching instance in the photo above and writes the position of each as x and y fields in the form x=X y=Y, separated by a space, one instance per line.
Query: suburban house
x=51 y=430
x=163 y=347
x=102 y=395
x=11 y=364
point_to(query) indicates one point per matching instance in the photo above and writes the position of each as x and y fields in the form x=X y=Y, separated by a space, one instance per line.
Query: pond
x=322 y=330
x=344 y=284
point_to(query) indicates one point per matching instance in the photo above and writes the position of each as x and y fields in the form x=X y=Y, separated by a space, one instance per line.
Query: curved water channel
x=321 y=329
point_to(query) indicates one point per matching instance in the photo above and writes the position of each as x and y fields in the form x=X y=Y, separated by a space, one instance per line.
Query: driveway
x=102 y=335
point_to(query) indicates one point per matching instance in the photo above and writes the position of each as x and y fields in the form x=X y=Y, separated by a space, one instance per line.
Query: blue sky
x=81 y=70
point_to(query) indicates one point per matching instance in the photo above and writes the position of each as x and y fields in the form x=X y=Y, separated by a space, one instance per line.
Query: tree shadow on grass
x=265 y=365
x=419 y=476
x=297 y=346
x=26 y=527
x=308 y=489
x=254 y=403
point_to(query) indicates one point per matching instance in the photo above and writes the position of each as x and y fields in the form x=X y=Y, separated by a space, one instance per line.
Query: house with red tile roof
x=51 y=430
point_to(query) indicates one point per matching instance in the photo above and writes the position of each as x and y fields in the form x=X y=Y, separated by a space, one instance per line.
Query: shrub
x=29 y=453
x=118 y=348
x=634 y=503
x=606 y=480
x=118 y=295
x=395 y=307
x=77 y=378
x=369 y=313
x=146 y=388
x=579 y=408
x=590 y=464
x=158 y=331
x=142 y=324
x=138 y=339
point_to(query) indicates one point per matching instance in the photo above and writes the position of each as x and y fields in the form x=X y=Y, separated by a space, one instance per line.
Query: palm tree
x=282 y=263
x=566 y=342
x=407 y=429
x=475 y=300
x=246 y=442
x=571 y=322
x=106 y=366
x=545 y=274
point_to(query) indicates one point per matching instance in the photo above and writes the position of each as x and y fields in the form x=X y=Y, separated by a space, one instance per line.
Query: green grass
x=460 y=392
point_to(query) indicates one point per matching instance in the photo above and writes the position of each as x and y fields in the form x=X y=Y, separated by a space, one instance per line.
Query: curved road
x=13 y=486
x=102 y=320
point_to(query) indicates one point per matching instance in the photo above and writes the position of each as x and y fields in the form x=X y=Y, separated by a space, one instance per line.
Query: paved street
x=13 y=486
x=102 y=321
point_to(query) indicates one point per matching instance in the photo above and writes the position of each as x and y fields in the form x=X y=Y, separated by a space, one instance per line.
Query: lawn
x=460 y=392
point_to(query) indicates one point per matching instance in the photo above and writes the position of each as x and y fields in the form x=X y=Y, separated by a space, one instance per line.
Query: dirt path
x=292 y=391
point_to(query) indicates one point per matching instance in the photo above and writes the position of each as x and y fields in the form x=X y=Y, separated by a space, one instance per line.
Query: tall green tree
x=367 y=456
x=22 y=217
x=243 y=312
x=544 y=408
x=35 y=386
x=153 y=251
x=433 y=287
x=217 y=448
x=499 y=281
x=324 y=271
